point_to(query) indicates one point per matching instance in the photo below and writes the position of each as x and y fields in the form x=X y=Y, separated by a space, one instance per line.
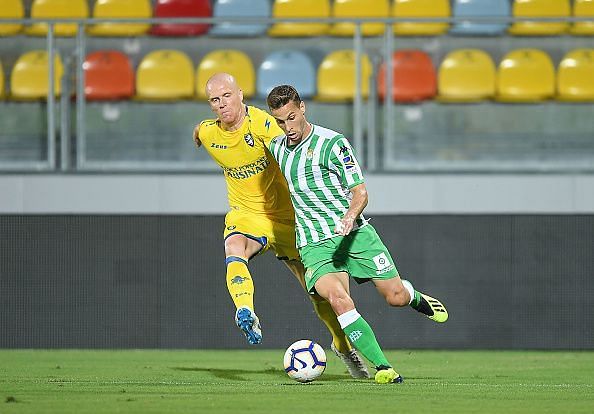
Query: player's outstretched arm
x=196 y=136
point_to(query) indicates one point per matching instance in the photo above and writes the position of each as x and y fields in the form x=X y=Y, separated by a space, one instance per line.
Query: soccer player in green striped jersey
x=335 y=240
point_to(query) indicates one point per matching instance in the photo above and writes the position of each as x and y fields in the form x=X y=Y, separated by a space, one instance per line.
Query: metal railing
x=372 y=161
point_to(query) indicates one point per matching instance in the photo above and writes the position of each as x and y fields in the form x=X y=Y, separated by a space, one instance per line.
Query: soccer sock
x=239 y=282
x=327 y=315
x=417 y=301
x=362 y=337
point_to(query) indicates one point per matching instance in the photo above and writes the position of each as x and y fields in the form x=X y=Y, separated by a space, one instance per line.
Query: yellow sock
x=239 y=282
x=327 y=315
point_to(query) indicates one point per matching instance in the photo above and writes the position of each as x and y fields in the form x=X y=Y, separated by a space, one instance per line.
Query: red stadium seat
x=181 y=8
x=108 y=76
x=414 y=77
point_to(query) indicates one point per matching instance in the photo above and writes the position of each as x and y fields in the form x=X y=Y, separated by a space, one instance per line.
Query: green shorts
x=361 y=254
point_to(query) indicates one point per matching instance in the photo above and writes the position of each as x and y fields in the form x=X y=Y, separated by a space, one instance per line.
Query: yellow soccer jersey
x=254 y=181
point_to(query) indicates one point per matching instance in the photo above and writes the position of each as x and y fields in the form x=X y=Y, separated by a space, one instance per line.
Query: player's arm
x=196 y=136
x=343 y=161
x=358 y=203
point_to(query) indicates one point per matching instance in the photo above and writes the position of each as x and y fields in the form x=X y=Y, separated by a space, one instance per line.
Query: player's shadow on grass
x=236 y=374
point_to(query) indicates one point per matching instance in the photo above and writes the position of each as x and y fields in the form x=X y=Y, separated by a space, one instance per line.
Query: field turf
x=253 y=381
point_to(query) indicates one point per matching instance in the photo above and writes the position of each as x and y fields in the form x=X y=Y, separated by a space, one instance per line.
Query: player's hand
x=344 y=225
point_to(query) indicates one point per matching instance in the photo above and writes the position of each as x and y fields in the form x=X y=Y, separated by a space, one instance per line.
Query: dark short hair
x=282 y=95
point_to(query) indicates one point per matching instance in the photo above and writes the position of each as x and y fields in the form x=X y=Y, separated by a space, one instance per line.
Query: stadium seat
x=181 y=8
x=11 y=9
x=51 y=9
x=235 y=62
x=474 y=8
x=525 y=75
x=336 y=76
x=287 y=67
x=466 y=75
x=583 y=8
x=421 y=8
x=104 y=9
x=165 y=75
x=575 y=78
x=413 y=77
x=28 y=79
x=108 y=76
x=540 y=8
x=240 y=8
x=300 y=9
x=359 y=9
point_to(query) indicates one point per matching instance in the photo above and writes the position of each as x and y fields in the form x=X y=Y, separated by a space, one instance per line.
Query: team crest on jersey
x=309 y=154
x=249 y=139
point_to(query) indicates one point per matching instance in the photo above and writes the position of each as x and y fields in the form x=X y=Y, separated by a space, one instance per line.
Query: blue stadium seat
x=240 y=8
x=287 y=67
x=470 y=8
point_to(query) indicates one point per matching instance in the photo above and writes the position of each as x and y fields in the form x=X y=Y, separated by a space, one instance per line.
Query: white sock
x=410 y=289
x=348 y=317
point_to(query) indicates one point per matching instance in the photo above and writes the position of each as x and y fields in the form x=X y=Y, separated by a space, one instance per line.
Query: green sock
x=416 y=300
x=363 y=339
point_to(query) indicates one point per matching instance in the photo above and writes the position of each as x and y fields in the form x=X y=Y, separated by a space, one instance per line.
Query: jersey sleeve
x=342 y=160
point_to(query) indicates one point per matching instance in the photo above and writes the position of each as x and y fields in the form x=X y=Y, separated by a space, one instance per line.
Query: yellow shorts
x=275 y=234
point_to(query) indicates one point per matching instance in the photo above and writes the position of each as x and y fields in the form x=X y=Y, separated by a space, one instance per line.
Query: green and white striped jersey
x=320 y=171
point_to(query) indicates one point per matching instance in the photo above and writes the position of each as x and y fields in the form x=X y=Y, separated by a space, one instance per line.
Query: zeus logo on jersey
x=382 y=263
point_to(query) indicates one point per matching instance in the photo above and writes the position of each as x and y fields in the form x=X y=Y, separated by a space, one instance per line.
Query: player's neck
x=236 y=125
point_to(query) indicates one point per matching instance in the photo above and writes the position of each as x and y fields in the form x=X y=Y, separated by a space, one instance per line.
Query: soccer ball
x=305 y=360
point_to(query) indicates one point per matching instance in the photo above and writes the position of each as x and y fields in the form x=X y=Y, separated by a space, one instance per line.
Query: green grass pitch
x=253 y=381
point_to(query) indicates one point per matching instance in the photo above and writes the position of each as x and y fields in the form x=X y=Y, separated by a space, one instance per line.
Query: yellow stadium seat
x=53 y=9
x=235 y=62
x=122 y=9
x=466 y=75
x=359 y=9
x=300 y=9
x=421 y=8
x=525 y=75
x=583 y=8
x=336 y=76
x=11 y=9
x=165 y=75
x=28 y=79
x=575 y=78
x=540 y=8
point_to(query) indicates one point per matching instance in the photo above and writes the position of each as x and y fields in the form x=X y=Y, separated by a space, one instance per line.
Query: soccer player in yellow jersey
x=261 y=215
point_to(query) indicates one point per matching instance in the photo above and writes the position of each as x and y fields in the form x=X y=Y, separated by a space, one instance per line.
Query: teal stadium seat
x=287 y=67
x=470 y=8
x=240 y=8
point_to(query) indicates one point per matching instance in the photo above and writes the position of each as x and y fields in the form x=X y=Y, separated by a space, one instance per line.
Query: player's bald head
x=221 y=79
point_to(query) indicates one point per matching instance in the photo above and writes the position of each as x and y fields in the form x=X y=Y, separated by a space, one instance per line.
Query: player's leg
x=371 y=259
x=340 y=344
x=399 y=292
x=334 y=288
x=238 y=249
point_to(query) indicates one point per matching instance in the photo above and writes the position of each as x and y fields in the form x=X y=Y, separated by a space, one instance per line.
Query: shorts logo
x=249 y=139
x=353 y=336
x=381 y=261
x=308 y=274
x=238 y=280
x=231 y=227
